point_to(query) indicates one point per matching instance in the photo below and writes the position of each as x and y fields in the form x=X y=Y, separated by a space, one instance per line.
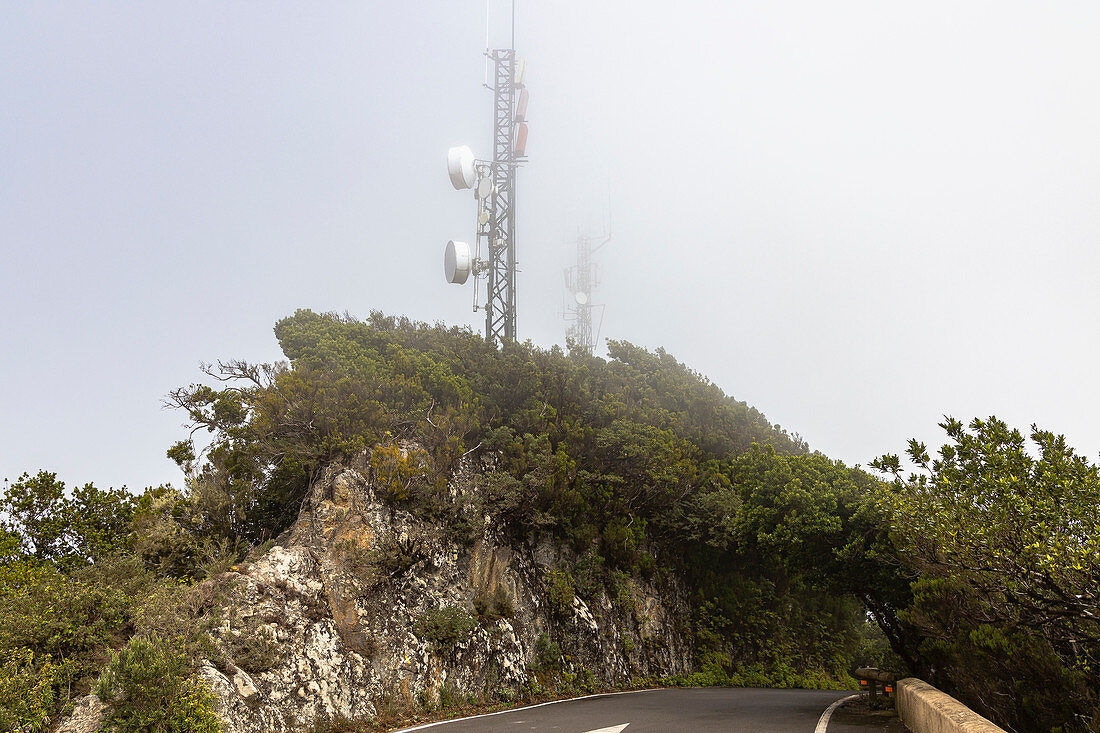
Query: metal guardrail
x=922 y=708
x=875 y=682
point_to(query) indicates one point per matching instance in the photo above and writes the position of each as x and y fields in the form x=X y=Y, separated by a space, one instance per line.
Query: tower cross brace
x=500 y=230
x=581 y=279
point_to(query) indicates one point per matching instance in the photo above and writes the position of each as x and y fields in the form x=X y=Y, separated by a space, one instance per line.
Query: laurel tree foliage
x=1002 y=534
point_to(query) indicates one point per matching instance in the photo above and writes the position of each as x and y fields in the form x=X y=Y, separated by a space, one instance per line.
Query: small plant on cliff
x=494 y=606
x=590 y=575
x=395 y=470
x=547 y=655
x=444 y=627
x=560 y=592
x=386 y=562
x=149 y=686
x=255 y=650
x=449 y=697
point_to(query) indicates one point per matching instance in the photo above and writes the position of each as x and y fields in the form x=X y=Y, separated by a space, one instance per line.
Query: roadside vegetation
x=978 y=570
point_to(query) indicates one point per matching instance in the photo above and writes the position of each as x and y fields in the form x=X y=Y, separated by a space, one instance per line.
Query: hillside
x=403 y=518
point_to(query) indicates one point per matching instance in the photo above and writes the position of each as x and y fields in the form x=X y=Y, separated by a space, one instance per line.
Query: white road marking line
x=823 y=721
x=516 y=710
x=609 y=729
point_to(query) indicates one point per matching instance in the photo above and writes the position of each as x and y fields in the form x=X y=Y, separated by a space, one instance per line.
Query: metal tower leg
x=500 y=304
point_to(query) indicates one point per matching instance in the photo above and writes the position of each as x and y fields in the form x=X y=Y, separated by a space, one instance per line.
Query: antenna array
x=580 y=281
x=494 y=184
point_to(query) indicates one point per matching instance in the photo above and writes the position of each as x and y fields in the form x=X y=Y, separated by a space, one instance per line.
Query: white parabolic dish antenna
x=460 y=167
x=581 y=298
x=484 y=188
x=456 y=262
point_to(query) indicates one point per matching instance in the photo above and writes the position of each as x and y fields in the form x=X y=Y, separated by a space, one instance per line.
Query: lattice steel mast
x=495 y=188
x=500 y=300
x=581 y=280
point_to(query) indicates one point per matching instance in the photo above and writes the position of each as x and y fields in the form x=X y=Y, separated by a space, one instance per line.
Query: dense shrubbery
x=1005 y=539
x=623 y=460
x=72 y=587
x=153 y=677
x=980 y=572
x=56 y=629
x=28 y=690
x=67 y=529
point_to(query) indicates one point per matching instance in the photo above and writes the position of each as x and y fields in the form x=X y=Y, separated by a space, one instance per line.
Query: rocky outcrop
x=361 y=604
x=87 y=716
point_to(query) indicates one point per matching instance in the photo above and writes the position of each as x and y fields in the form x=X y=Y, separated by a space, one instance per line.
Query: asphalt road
x=702 y=710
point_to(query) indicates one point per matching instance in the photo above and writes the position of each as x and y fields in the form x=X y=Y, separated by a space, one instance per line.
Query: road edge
x=823 y=721
x=423 y=726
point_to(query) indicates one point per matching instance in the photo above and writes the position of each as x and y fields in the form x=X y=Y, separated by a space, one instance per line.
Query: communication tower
x=494 y=184
x=580 y=281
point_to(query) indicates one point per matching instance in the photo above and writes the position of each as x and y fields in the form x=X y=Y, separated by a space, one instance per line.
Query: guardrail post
x=870 y=679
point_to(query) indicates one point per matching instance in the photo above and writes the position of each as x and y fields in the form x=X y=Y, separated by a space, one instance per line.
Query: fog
x=857 y=217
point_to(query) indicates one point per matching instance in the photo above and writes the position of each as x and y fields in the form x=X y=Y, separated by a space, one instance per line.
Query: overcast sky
x=856 y=216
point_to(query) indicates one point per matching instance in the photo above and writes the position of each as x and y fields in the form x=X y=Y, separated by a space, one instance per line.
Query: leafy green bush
x=27 y=691
x=1004 y=536
x=560 y=592
x=47 y=615
x=68 y=528
x=151 y=689
x=254 y=650
x=589 y=575
x=394 y=470
x=449 y=697
x=547 y=655
x=387 y=561
x=56 y=616
x=444 y=627
x=621 y=590
x=493 y=606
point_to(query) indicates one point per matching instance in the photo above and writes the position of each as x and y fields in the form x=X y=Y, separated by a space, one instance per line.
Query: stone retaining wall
x=924 y=709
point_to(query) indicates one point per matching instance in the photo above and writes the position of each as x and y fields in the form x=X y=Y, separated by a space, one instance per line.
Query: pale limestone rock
x=245 y=687
x=583 y=617
x=345 y=638
x=87 y=716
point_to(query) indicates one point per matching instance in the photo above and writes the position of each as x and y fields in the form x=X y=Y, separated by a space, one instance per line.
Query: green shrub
x=68 y=528
x=463 y=519
x=495 y=606
x=449 y=697
x=547 y=655
x=27 y=691
x=47 y=616
x=388 y=560
x=589 y=575
x=560 y=592
x=394 y=470
x=620 y=543
x=53 y=629
x=255 y=650
x=424 y=701
x=621 y=591
x=444 y=627
x=149 y=686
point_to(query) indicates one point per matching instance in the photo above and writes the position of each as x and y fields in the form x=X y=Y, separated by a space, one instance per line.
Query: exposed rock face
x=87 y=716
x=330 y=623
